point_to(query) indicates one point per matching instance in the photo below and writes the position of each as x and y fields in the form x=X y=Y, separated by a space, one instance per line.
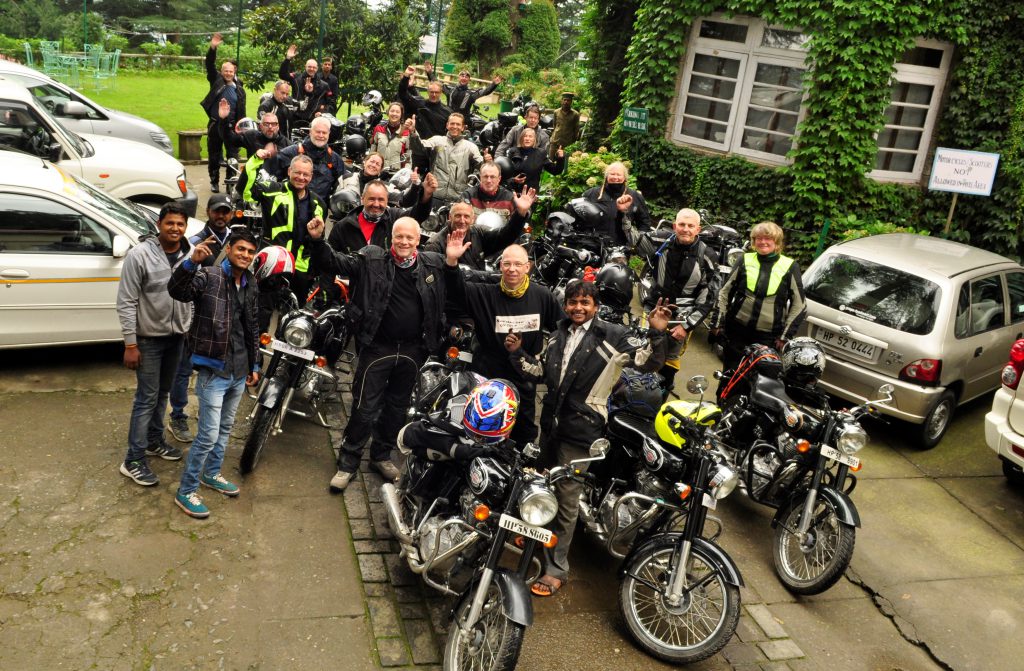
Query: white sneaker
x=340 y=481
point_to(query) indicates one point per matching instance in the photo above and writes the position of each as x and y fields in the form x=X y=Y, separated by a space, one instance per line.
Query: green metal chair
x=29 y=58
x=102 y=73
x=54 y=65
x=49 y=46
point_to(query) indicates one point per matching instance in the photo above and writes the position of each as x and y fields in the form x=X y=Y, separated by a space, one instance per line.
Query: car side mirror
x=121 y=246
x=72 y=108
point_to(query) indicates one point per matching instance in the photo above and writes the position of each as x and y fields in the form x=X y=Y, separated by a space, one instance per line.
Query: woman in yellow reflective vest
x=762 y=302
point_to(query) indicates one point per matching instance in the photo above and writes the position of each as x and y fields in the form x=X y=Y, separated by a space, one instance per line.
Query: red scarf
x=403 y=263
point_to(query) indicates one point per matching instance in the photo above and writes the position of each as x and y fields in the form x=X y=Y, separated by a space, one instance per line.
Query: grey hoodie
x=143 y=304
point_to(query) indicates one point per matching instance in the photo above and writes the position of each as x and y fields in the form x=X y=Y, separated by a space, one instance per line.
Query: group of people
x=404 y=293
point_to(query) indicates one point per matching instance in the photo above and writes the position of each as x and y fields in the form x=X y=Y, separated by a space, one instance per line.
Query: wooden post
x=949 y=219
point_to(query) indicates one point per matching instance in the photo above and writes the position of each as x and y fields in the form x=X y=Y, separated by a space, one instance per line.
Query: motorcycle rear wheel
x=813 y=565
x=695 y=630
x=259 y=433
x=493 y=644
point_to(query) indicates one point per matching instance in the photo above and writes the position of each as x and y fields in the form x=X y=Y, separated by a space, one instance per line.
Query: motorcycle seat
x=769 y=393
x=630 y=428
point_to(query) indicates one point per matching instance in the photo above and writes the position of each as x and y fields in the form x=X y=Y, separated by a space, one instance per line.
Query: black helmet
x=355 y=147
x=343 y=201
x=558 y=224
x=803 y=360
x=587 y=214
x=640 y=393
x=506 y=167
x=615 y=286
x=356 y=124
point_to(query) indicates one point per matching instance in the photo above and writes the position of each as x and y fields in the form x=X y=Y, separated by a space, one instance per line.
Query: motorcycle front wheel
x=493 y=644
x=813 y=563
x=699 y=626
x=259 y=432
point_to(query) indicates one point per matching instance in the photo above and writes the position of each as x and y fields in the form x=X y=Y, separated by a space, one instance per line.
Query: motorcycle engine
x=646 y=484
x=436 y=539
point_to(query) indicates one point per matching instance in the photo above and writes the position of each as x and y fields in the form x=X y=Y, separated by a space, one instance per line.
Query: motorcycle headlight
x=851 y=438
x=733 y=256
x=722 y=481
x=298 y=332
x=537 y=505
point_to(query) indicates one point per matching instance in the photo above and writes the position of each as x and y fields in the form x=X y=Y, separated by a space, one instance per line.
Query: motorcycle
x=647 y=500
x=726 y=240
x=455 y=522
x=442 y=378
x=246 y=212
x=303 y=350
x=799 y=458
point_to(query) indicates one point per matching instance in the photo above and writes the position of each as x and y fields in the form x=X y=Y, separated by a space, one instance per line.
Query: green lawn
x=168 y=99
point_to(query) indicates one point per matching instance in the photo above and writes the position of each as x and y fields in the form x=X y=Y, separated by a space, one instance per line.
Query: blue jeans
x=179 y=389
x=218 y=401
x=154 y=377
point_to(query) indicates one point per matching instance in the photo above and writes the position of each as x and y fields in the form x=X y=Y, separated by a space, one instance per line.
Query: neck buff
x=518 y=291
x=403 y=263
x=371 y=217
x=614 y=190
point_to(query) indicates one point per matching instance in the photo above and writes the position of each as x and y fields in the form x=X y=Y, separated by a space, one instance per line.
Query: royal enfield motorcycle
x=302 y=353
x=647 y=501
x=799 y=457
x=455 y=522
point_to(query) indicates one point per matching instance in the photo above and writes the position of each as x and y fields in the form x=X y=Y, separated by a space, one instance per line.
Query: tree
x=486 y=31
x=36 y=18
x=606 y=32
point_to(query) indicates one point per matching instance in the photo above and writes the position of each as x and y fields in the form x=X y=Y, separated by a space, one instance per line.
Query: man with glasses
x=514 y=305
x=260 y=144
x=461 y=98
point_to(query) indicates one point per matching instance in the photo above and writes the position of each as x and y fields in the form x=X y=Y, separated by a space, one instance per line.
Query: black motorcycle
x=455 y=522
x=647 y=501
x=249 y=213
x=306 y=345
x=797 y=455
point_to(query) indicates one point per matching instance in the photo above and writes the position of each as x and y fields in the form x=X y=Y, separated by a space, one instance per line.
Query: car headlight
x=298 y=332
x=722 y=481
x=163 y=141
x=851 y=438
x=537 y=505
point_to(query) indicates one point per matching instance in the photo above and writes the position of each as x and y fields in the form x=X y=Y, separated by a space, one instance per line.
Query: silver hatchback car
x=934 y=318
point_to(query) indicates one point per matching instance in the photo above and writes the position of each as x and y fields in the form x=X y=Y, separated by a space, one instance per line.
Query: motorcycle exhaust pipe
x=389 y=494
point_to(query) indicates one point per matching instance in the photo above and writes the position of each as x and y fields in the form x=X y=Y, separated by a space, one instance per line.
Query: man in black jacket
x=486 y=241
x=332 y=97
x=580 y=364
x=489 y=195
x=280 y=103
x=328 y=167
x=460 y=97
x=308 y=86
x=397 y=296
x=260 y=145
x=223 y=86
x=371 y=224
x=431 y=114
x=224 y=339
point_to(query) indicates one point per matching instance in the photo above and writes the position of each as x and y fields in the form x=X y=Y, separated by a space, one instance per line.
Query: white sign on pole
x=963 y=171
x=428 y=44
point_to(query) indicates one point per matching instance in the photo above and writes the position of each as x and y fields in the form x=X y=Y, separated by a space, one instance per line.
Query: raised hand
x=624 y=202
x=216 y=41
x=561 y=152
x=455 y=247
x=415 y=176
x=429 y=184
x=203 y=251
x=487 y=155
x=428 y=67
x=223 y=108
x=525 y=200
x=292 y=50
x=410 y=124
x=410 y=71
x=315 y=228
x=660 y=315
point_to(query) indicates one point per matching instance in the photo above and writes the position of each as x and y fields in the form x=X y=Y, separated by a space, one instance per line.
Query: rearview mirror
x=697 y=384
x=599 y=447
x=121 y=246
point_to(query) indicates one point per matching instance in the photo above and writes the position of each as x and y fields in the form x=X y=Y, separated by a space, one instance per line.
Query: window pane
x=777 y=38
x=880 y=293
x=769 y=120
x=717 y=30
x=704 y=130
x=895 y=161
x=714 y=65
x=891 y=138
x=1015 y=283
x=987 y=304
x=917 y=94
x=767 y=96
x=709 y=109
x=767 y=142
x=779 y=75
x=713 y=88
x=30 y=224
x=922 y=56
x=902 y=115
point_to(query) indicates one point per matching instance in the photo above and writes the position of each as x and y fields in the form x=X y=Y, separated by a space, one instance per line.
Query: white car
x=62 y=243
x=1004 y=424
x=80 y=114
x=122 y=168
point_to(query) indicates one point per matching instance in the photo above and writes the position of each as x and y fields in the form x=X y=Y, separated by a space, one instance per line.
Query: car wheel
x=937 y=421
x=1014 y=474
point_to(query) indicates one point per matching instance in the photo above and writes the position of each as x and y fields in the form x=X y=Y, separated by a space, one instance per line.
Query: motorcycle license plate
x=279 y=346
x=710 y=502
x=836 y=455
x=520 y=527
x=255 y=214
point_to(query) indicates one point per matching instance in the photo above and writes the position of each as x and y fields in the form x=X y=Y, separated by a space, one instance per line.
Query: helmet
x=355 y=147
x=638 y=392
x=402 y=179
x=587 y=214
x=506 y=167
x=271 y=261
x=803 y=360
x=356 y=125
x=244 y=124
x=489 y=220
x=343 y=201
x=490 y=411
x=615 y=286
x=559 y=223
x=372 y=97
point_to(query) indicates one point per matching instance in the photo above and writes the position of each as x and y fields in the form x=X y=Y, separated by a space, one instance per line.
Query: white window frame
x=935 y=77
x=750 y=53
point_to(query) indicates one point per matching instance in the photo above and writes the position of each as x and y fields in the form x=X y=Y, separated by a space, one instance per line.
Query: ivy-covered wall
x=854 y=46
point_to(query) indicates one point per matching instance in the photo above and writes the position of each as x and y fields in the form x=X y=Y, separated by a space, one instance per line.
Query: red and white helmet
x=272 y=261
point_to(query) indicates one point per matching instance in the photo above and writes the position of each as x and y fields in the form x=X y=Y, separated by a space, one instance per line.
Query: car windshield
x=124 y=212
x=875 y=292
